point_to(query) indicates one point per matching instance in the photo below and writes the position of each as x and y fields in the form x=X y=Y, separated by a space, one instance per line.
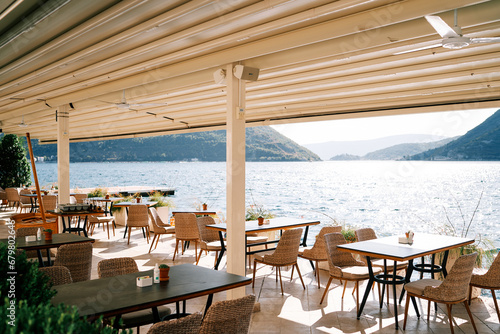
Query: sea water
x=390 y=196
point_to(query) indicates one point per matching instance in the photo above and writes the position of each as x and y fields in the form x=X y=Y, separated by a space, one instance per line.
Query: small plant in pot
x=48 y=234
x=164 y=269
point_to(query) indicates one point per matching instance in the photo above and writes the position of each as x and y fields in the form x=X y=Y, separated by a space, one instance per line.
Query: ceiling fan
x=22 y=124
x=452 y=37
x=130 y=106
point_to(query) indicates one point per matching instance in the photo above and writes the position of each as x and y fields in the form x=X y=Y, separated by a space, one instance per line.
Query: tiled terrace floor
x=298 y=310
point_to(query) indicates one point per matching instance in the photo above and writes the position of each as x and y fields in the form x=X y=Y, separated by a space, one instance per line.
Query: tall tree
x=14 y=167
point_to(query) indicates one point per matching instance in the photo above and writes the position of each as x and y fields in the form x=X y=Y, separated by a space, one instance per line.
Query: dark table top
x=390 y=248
x=116 y=295
x=196 y=212
x=274 y=224
x=58 y=239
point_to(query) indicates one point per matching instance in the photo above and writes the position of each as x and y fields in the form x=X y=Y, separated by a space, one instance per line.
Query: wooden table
x=275 y=224
x=58 y=239
x=116 y=295
x=67 y=215
x=390 y=249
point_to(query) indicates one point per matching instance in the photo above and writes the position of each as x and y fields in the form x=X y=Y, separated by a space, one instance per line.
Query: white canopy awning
x=318 y=60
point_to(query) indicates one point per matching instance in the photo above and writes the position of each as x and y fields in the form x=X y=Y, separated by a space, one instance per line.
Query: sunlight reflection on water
x=391 y=196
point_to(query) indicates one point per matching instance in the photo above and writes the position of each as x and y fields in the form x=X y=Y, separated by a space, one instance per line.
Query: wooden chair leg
x=254 y=267
x=152 y=242
x=129 y=233
x=281 y=281
x=113 y=226
x=147 y=234
x=107 y=227
x=326 y=289
x=198 y=257
x=407 y=304
x=496 y=303
x=317 y=274
x=428 y=309
x=450 y=319
x=357 y=296
x=470 y=316
x=300 y=276
x=343 y=292
x=176 y=248
x=470 y=293
x=291 y=276
x=158 y=239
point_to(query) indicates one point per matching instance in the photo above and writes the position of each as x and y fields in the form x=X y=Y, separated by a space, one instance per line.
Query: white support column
x=235 y=179
x=63 y=155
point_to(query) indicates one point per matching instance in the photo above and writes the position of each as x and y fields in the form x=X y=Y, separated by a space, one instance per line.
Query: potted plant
x=48 y=234
x=204 y=206
x=164 y=269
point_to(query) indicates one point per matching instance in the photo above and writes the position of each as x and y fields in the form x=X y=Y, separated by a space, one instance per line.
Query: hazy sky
x=446 y=124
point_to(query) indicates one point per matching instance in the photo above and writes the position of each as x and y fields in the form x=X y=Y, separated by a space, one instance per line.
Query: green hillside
x=480 y=143
x=398 y=152
x=262 y=144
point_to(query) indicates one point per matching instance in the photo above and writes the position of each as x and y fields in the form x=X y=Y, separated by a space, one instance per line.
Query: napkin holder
x=144 y=281
x=30 y=238
x=403 y=240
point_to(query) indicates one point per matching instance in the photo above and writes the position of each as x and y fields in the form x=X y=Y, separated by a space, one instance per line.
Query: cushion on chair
x=211 y=246
x=358 y=272
x=260 y=256
x=418 y=287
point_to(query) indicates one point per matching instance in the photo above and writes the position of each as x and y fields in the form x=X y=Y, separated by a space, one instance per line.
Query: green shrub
x=160 y=199
x=98 y=192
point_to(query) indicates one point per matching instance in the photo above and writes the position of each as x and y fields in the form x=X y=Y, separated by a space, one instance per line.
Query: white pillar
x=63 y=155
x=235 y=179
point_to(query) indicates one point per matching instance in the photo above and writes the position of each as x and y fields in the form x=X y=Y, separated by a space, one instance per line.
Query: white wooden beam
x=235 y=179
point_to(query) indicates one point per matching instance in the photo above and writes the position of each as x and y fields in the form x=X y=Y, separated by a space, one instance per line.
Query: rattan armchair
x=58 y=274
x=229 y=316
x=138 y=216
x=209 y=239
x=77 y=258
x=186 y=229
x=317 y=252
x=159 y=227
x=13 y=197
x=452 y=290
x=49 y=202
x=343 y=266
x=186 y=325
x=284 y=255
x=26 y=231
x=489 y=280
x=123 y=266
x=24 y=202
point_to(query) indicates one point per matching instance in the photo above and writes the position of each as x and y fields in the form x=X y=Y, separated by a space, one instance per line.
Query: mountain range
x=480 y=143
x=262 y=144
x=330 y=149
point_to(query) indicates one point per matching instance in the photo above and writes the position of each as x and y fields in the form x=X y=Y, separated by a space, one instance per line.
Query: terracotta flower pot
x=260 y=220
x=164 y=274
x=106 y=197
x=204 y=207
x=138 y=199
x=48 y=236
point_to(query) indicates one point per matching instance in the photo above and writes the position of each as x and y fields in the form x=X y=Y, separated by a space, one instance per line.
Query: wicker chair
x=25 y=231
x=137 y=217
x=209 y=239
x=58 y=274
x=284 y=255
x=452 y=290
x=186 y=229
x=364 y=234
x=3 y=198
x=229 y=316
x=159 y=227
x=93 y=220
x=80 y=198
x=13 y=197
x=123 y=266
x=489 y=280
x=185 y=325
x=343 y=266
x=77 y=258
x=317 y=252
x=49 y=202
